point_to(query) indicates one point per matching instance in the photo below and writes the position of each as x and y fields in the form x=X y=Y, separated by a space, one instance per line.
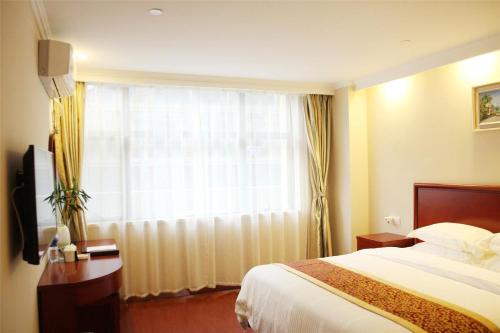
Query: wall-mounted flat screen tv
x=37 y=220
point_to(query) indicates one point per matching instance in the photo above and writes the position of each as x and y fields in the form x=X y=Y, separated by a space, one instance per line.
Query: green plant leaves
x=68 y=200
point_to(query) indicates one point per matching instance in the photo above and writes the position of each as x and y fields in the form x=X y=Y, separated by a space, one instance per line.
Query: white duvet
x=274 y=300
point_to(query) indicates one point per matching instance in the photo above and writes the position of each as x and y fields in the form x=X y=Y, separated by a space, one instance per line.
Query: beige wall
x=417 y=129
x=24 y=120
x=348 y=177
x=358 y=119
x=339 y=189
x=2 y=176
x=420 y=129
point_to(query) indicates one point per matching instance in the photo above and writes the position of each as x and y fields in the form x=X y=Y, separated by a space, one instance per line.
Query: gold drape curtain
x=318 y=116
x=68 y=141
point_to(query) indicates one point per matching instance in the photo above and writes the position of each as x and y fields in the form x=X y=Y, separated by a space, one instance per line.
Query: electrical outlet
x=394 y=220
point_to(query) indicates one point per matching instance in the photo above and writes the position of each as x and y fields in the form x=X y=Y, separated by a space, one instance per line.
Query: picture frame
x=487 y=107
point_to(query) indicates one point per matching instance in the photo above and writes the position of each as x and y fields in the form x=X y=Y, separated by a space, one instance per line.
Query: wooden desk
x=82 y=295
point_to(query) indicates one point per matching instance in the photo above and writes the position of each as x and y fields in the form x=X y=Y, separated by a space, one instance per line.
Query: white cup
x=69 y=256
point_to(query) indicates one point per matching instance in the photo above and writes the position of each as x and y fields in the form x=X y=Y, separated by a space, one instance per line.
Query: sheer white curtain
x=196 y=185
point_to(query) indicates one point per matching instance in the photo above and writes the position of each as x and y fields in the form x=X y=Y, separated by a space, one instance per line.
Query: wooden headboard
x=468 y=204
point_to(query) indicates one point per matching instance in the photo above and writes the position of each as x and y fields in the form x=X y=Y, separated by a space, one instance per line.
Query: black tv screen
x=37 y=217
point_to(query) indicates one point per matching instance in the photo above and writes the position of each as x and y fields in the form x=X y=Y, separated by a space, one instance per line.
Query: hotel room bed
x=274 y=299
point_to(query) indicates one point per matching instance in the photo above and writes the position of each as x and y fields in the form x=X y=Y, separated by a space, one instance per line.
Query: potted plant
x=66 y=202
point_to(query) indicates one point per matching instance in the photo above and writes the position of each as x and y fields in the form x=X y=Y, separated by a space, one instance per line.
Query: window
x=160 y=153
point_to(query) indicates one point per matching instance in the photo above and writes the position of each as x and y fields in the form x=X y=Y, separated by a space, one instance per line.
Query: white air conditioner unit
x=55 y=68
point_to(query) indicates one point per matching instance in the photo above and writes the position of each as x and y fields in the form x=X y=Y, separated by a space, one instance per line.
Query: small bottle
x=53 y=251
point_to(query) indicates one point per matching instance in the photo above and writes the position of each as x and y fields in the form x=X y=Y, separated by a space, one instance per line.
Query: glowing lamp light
x=80 y=56
x=396 y=89
x=478 y=69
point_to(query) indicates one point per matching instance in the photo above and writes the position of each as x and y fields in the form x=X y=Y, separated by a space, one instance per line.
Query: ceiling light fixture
x=155 y=11
x=405 y=41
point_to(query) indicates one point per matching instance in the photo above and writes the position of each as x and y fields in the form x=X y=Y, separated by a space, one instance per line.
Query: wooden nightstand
x=384 y=239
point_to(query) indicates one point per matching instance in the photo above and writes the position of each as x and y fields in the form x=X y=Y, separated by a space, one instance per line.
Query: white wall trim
x=41 y=19
x=449 y=56
x=151 y=78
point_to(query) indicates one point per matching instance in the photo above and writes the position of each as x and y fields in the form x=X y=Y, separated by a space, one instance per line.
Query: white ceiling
x=306 y=41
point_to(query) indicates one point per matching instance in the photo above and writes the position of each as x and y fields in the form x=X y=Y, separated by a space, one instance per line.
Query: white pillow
x=455 y=236
x=444 y=252
x=492 y=263
x=492 y=243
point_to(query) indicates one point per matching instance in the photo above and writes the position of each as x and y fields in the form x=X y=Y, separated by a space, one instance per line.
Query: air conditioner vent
x=55 y=67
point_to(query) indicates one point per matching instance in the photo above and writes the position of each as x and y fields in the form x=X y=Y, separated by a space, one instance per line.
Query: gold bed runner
x=416 y=312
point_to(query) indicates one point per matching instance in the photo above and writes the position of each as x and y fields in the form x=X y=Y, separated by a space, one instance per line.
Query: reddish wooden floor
x=205 y=313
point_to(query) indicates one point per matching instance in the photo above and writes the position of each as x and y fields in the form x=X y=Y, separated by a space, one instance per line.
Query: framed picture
x=487 y=107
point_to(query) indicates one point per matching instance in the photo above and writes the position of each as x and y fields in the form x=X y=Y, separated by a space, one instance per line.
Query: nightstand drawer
x=384 y=239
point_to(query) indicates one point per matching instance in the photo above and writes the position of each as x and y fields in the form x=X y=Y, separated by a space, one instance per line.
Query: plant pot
x=64 y=235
